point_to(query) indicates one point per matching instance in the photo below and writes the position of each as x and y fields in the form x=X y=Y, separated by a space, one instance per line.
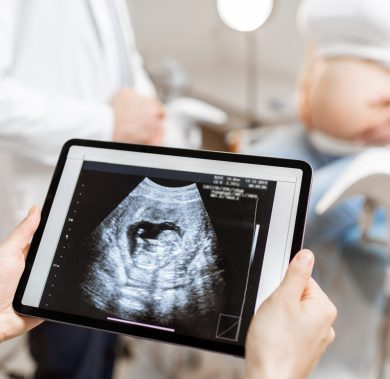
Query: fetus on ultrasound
x=154 y=257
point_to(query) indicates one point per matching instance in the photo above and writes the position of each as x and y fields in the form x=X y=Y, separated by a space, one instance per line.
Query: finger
x=327 y=340
x=298 y=274
x=158 y=137
x=26 y=250
x=331 y=335
x=30 y=323
x=311 y=291
x=314 y=291
x=156 y=128
x=140 y=135
x=154 y=132
x=151 y=125
x=20 y=238
x=154 y=106
x=20 y=325
x=160 y=110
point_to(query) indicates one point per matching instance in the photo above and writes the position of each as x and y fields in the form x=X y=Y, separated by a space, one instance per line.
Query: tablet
x=173 y=245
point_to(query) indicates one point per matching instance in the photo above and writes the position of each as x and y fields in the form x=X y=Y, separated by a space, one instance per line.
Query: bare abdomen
x=341 y=94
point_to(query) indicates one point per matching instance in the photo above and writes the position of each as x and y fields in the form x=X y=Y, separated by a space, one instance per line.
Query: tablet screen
x=174 y=244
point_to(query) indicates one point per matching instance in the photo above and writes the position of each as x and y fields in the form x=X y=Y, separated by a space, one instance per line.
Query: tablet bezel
x=136 y=331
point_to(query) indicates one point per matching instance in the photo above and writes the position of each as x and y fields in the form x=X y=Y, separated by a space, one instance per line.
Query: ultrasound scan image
x=154 y=257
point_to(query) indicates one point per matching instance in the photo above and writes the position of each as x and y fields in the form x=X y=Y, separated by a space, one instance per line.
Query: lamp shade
x=244 y=15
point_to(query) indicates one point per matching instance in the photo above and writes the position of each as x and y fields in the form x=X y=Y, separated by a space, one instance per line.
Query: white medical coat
x=60 y=63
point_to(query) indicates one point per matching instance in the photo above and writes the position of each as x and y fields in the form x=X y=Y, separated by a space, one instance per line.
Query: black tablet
x=173 y=245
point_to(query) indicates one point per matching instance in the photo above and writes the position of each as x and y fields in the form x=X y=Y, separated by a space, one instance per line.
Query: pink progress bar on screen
x=140 y=324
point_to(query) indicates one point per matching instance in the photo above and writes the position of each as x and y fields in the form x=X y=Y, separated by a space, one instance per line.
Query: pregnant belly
x=342 y=93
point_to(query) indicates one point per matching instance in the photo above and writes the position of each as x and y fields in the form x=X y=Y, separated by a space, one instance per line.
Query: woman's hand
x=138 y=119
x=12 y=257
x=293 y=328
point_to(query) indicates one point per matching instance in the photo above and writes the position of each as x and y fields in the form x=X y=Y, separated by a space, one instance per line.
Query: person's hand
x=293 y=328
x=12 y=256
x=138 y=119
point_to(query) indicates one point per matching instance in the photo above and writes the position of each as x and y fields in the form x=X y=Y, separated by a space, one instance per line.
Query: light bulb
x=244 y=15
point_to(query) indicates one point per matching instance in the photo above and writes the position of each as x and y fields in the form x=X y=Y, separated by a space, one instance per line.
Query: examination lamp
x=244 y=15
x=247 y=16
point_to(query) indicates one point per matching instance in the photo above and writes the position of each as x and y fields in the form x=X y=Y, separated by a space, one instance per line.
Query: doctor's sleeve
x=36 y=124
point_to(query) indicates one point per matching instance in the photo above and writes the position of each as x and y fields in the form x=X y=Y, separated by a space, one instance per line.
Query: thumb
x=298 y=274
x=23 y=233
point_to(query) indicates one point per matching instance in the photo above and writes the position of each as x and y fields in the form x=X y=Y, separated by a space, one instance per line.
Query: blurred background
x=214 y=58
x=246 y=83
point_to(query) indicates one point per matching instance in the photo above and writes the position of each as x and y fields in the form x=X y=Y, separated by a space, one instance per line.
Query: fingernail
x=305 y=257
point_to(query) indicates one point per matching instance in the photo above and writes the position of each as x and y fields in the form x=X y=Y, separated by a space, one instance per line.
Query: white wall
x=213 y=54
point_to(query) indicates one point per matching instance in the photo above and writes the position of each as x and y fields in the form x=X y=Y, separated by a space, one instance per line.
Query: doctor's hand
x=138 y=119
x=292 y=329
x=12 y=256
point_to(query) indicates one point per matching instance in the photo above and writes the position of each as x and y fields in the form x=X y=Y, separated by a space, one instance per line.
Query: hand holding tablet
x=292 y=328
x=300 y=325
x=173 y=245
x=13 y=252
